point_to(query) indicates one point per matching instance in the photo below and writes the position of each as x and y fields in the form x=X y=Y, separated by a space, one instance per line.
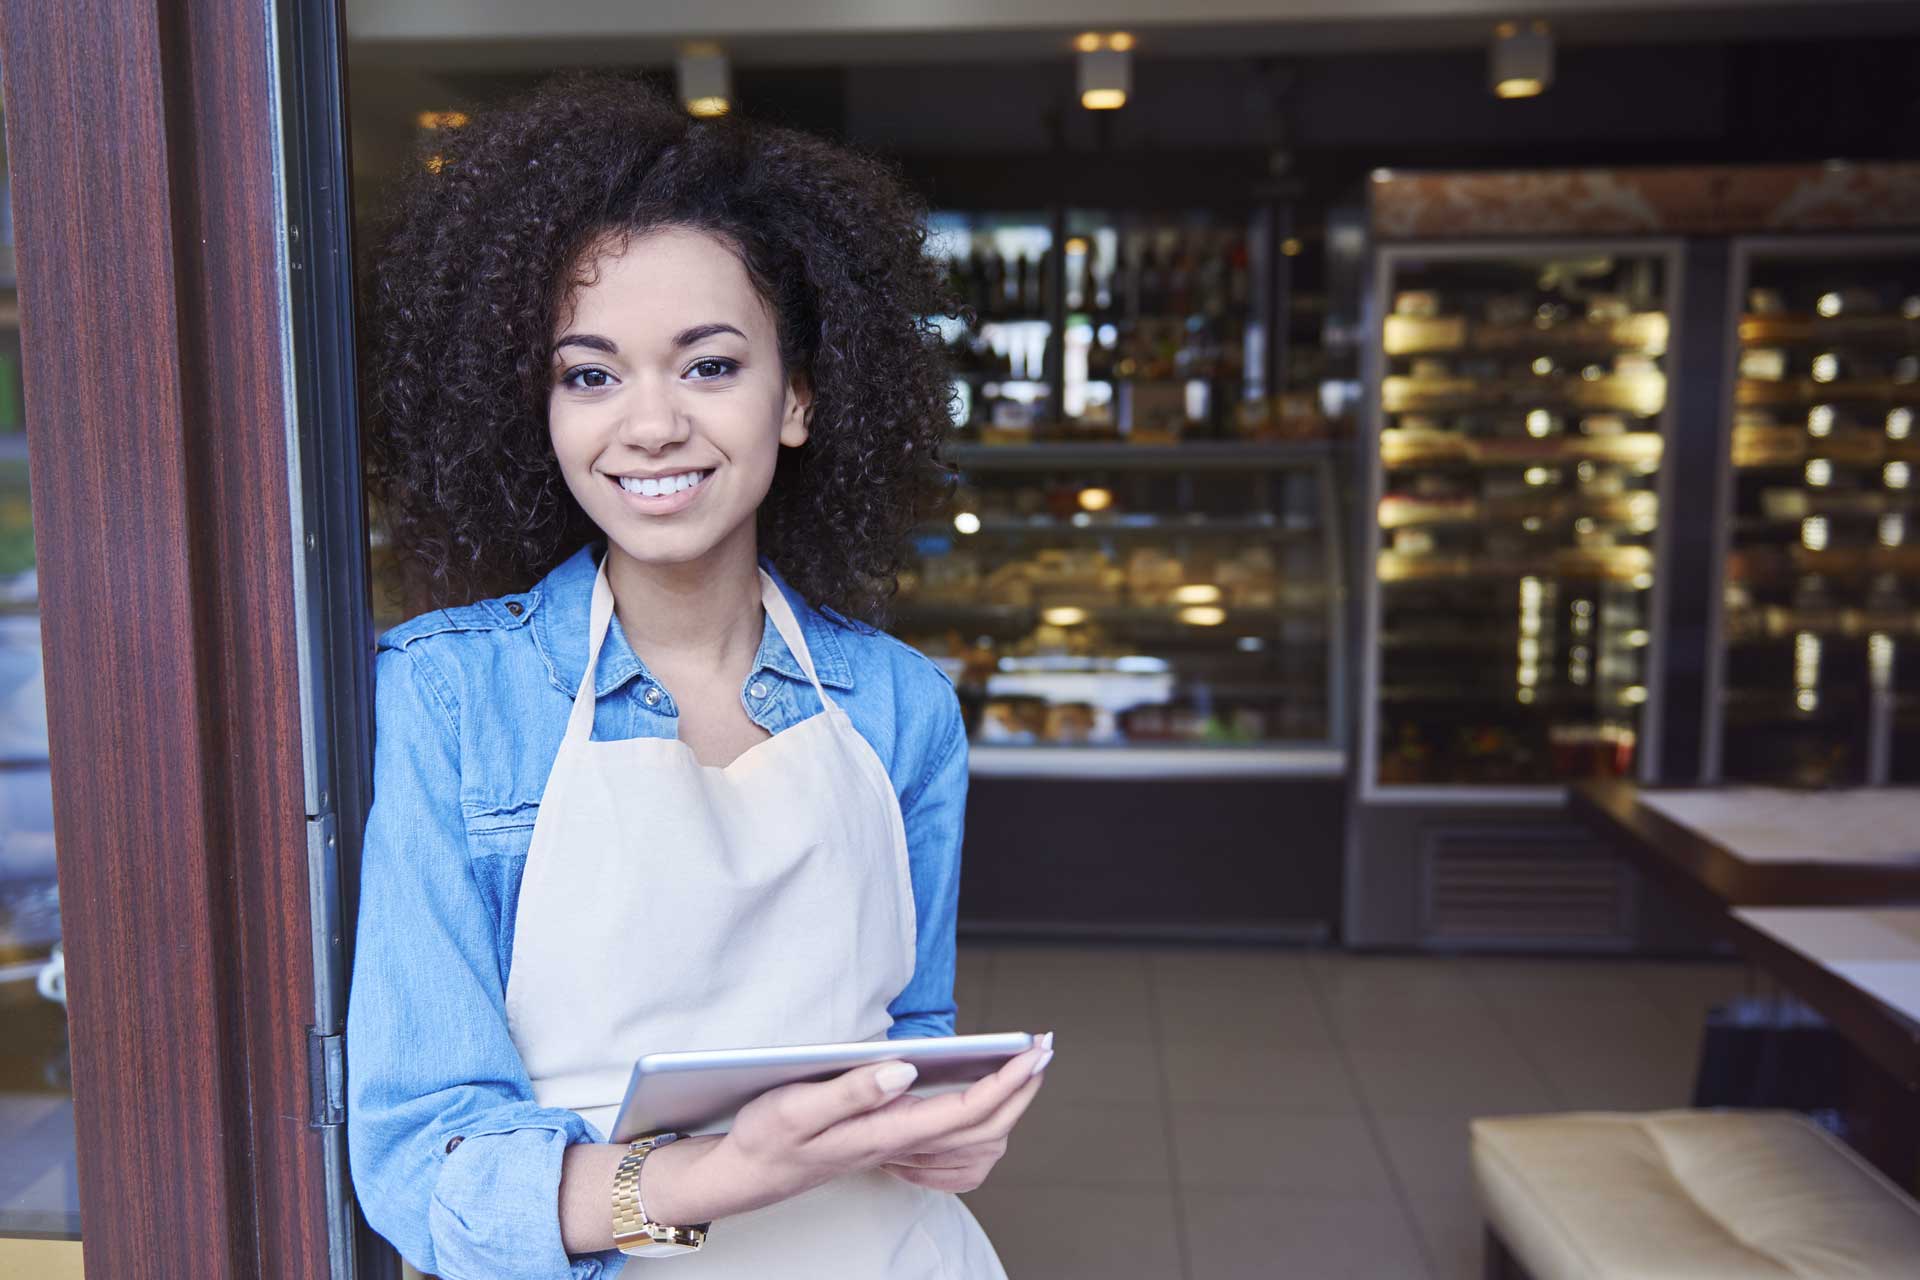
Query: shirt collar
x=561 y=605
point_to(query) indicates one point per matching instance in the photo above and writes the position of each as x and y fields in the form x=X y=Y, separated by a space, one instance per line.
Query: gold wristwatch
x=633 y=1232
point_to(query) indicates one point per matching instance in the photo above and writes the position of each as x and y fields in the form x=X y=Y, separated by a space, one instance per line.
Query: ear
x=796 y=416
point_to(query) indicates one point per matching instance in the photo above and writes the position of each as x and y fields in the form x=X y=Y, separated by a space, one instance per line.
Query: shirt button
x=513 y=607
x=758 y=690
x=653 y=696
x=453 y=1142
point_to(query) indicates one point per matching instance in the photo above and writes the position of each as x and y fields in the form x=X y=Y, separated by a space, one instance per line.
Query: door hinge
x=326 y=1080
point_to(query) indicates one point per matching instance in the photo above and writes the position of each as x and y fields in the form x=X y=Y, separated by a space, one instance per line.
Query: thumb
x=882 y=1084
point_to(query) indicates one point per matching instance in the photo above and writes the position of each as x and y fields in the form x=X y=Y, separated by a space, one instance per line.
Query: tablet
x=698 y=1092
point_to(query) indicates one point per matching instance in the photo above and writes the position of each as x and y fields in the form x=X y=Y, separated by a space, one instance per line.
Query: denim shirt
x=452 y=1158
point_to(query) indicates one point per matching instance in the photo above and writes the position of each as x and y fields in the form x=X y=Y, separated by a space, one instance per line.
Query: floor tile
x=1280 y=1017
x=1096 y=994
x=1081 y=1233
x=1236 y=1235
x=1456 y=1079
x=1325 y=1154
x=1622 y=1075
x=1429 y=1150
x=1414 y=1025
x=1687 y=992
x=1237 y=970
x=1279 y=1078
x=1088 y=1144
x=1085 y=1069
x=1429 y=1156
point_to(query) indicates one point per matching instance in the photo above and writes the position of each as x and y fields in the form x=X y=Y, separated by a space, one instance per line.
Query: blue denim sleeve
x=452 y=1159
x=935 y=812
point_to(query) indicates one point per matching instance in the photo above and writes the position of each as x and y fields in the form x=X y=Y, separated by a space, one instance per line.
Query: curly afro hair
x=488 y=236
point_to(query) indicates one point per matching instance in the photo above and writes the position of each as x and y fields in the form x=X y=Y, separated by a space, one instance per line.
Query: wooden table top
x=1859 y=967
x=1755 y=846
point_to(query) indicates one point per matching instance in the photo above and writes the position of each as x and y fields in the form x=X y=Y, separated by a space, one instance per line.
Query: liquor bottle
x=1022 y=286
x=1239 y=280
x=1153 y=299
x=993 y=281
x=1084 y=294
x=1180 y=279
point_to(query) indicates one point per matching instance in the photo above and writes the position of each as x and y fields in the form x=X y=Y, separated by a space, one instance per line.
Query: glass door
x=1522 y=410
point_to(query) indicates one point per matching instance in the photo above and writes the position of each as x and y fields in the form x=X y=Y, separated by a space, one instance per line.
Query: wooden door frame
x=160 y=377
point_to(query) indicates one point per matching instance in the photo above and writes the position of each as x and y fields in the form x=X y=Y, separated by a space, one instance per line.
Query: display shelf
x=1102 y=598
x=1101 y=455
x=1148 y=527
x=1817 y=626
x=1519 y=455
x=1157 y=762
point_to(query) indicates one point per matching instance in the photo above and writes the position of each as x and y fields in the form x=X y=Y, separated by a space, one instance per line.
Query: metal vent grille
x=1524 y=886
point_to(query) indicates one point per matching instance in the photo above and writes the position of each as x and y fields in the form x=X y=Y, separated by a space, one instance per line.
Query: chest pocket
x=497 y=841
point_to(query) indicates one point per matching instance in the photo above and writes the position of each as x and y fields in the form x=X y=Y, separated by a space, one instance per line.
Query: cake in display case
x=1522 y=399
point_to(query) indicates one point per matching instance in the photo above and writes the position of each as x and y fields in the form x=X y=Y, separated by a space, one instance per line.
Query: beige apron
x=671 y=905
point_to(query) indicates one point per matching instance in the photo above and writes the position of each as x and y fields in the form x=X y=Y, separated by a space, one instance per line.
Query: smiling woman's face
x=668 y=404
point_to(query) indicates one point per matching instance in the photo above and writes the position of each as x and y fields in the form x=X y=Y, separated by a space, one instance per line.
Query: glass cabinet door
x=1003 y=267
x=1521 y=411
x=1122 y=596
x=1819 y=655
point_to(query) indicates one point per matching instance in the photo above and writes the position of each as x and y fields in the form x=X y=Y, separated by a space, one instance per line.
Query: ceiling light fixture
x=1106 y=69
x=1520 y=63
x=706 y=81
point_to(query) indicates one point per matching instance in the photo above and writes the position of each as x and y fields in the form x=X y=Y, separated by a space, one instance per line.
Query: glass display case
x=1137 y=605
x=1818 y=653
x=1520 y=408
x=1004 y=268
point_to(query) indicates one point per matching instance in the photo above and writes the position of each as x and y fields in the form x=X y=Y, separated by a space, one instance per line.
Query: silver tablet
x=698 y=1092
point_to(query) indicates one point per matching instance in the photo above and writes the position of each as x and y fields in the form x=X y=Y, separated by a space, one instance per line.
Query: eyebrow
x=685 y=338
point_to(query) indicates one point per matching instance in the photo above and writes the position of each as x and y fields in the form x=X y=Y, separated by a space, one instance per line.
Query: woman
x=675 y=794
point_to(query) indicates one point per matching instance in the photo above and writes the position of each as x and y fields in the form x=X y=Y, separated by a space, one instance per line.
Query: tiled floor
x=1299 y=1115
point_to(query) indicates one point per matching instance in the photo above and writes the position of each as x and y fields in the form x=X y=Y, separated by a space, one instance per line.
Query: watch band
x=634 y=1233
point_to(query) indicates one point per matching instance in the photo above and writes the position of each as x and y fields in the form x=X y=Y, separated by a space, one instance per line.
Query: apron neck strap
x=788 y=626
x=580 y=723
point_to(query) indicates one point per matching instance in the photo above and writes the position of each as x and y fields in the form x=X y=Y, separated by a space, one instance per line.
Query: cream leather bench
x=1686 y=1195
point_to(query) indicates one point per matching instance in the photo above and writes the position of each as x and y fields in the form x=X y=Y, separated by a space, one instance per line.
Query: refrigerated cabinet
x=1511 y=569
x=1816 y=655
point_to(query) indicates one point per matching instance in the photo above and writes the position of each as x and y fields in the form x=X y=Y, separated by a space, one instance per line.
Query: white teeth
x=650 y=487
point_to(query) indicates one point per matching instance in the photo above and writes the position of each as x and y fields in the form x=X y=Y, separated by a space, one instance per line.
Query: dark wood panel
x=1249 y=857
x=141 y=143
x=221 y=122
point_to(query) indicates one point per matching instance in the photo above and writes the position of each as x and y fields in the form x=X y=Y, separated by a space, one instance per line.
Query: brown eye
x=711 y=368
x=587 y=377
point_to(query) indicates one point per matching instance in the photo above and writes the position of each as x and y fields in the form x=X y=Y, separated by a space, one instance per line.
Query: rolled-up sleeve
x=935 y=815
x=452 y=1159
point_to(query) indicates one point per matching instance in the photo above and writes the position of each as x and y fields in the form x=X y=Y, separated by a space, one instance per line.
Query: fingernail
x=1046 y=1041
x=895 y=1076
x=1040 y=1064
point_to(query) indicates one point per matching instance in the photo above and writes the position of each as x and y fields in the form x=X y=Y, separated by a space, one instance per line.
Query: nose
x=650 y=420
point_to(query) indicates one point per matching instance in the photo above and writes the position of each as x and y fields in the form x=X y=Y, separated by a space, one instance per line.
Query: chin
x=665 y=549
